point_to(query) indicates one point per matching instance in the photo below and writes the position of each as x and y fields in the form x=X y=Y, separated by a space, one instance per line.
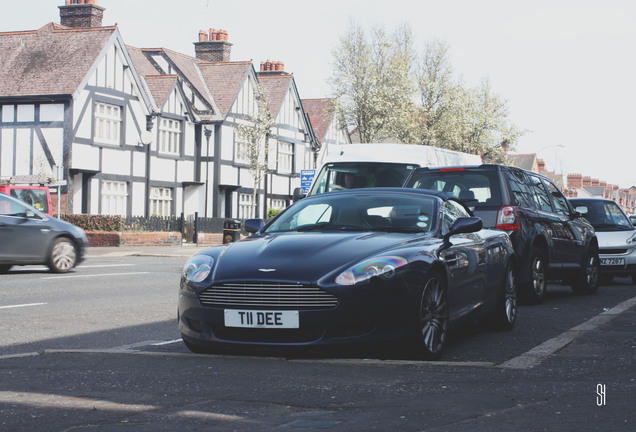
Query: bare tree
x=372 y=80
x=387 y=92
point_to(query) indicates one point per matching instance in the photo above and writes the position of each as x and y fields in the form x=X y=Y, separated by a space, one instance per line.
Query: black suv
x=551 y=240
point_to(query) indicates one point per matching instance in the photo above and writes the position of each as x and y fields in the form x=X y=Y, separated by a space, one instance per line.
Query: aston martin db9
x=353 y=266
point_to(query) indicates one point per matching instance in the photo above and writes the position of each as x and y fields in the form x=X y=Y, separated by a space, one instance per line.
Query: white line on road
x=108 y=265
x=94 y=275
x=22 y=305
x=166 y=342
x=539 y=353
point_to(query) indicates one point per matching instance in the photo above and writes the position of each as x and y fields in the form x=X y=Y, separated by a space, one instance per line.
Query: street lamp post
x=208 y=133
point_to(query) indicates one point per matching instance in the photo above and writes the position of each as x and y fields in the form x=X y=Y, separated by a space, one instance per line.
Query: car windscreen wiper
x=331 y=227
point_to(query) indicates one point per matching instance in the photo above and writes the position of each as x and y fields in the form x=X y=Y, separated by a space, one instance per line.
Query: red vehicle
x=29 y=190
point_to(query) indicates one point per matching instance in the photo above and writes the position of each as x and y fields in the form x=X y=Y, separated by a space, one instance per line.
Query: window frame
x=173 y=135
x=114 y=195
x=102 y=121
x=158 y=201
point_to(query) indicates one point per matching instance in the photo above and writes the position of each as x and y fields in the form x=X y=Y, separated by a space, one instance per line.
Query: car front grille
x=267 y=295
x=612 y=251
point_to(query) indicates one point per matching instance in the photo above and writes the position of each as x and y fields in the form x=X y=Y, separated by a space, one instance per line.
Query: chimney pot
x=203 y=36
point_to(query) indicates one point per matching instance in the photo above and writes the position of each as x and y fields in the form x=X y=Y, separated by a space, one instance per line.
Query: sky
x=567 y=69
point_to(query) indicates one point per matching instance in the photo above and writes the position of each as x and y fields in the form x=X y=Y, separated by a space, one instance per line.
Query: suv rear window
x=35 y=197
x=475 y=188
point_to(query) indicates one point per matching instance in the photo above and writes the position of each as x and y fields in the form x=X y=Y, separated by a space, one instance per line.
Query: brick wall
x=116 y=239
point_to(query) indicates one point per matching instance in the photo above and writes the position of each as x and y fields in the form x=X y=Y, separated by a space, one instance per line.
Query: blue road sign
x=306 y=177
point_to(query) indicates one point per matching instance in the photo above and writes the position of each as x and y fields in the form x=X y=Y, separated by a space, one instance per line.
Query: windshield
x=603 y=215
x=359 y=212
x=350 y=175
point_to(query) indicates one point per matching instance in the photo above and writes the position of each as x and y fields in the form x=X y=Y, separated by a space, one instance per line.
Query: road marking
x=107 y=265
x=166 y=342
x=22 y=305
x=94 y=275
x=539 y=353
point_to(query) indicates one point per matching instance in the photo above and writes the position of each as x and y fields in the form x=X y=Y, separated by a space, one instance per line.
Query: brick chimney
x=81 y=13
x=587 y=181
x=213 y=46
x=575 y=180
x=541 y=165
x=272 y=66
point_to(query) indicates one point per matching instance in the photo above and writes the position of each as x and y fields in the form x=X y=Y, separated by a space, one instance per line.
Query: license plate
x=612 y=261
x=261 y=319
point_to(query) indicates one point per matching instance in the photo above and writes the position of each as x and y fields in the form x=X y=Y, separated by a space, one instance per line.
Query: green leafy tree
x=254 y=136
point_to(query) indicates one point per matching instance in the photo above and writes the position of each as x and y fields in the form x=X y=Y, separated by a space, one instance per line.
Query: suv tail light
x=508 y=219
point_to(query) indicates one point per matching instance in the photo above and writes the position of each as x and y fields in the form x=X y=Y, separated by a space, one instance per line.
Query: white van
x=379 y=165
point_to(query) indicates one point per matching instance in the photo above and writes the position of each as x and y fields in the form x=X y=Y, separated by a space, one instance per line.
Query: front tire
x=63 y=256
x=587 y=282
x=432 y=318
x=505 y=314
x=533 y=291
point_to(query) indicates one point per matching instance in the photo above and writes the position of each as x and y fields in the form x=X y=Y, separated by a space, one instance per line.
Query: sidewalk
x=184 y=251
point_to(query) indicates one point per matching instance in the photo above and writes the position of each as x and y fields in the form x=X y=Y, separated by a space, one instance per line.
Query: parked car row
x=452 y=245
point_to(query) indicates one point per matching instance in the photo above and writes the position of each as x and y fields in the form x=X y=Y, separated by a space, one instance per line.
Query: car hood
x=300 y=257
x=612 y=239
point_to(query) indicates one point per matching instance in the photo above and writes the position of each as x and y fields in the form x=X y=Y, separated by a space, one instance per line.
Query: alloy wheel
x=433 y=316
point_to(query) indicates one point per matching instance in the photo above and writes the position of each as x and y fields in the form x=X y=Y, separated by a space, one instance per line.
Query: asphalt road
x=98 y=349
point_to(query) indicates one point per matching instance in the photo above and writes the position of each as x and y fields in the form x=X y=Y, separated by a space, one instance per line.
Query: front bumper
x=379 y=310
x=619 y=261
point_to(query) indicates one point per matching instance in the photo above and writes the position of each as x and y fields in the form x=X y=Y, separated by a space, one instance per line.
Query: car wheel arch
x=542 y=244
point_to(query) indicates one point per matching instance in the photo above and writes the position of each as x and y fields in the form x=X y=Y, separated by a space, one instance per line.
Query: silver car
x=616 y=236
x=30 y=237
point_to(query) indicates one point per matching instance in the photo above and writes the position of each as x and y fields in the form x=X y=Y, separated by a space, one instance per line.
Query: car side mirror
x=253 y=225
x=465 y=225
x=298 y=194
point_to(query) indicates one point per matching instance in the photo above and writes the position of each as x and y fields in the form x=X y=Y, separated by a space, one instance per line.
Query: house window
x=107 y=123
x=160 y=201
x=285 y=157
x=245 y=206
x=169 y=136
x=278 y=204
x=114 y=197
x=242 y=151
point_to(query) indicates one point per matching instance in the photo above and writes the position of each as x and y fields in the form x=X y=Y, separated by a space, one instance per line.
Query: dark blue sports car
x=353 y=266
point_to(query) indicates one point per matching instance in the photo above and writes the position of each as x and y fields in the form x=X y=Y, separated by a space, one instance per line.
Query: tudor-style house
x=144 y=131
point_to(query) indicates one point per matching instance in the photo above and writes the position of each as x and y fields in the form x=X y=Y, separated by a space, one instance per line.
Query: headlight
x=380 y=266
x=198 y=268
x=632 y=239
